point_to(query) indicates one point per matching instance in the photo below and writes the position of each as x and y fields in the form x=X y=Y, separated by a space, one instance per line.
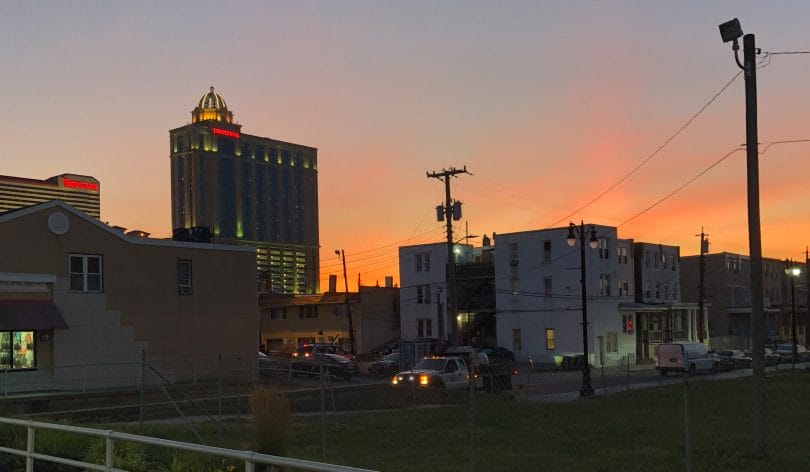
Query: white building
x=538 y=296
x=423 y=289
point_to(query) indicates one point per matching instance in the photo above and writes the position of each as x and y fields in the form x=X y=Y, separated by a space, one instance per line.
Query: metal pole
x=686 y=437
x=587 y=389
x=29 y=450
x=755 y=247
x=471 y=368
x=142 y=387
x=702 y=293
x=793 y=320
x=323 y=409
x=219 y=386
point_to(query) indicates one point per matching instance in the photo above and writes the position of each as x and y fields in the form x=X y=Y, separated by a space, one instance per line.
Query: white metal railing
x=251 y=459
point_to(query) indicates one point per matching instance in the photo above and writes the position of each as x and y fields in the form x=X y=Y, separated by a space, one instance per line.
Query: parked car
x=498 y=354
x=385 y=367
x=386 y=348
x=270 y=365
x=449 y=372
x=310 y=350
x=730 y=359
x=333 y=365
x=685 y=358
x=771 y=358
x=785 y=353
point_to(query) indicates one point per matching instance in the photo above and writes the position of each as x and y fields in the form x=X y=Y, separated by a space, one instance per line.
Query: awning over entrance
x=30 y=315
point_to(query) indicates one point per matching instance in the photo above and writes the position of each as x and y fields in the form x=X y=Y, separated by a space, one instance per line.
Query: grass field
x=638 y=430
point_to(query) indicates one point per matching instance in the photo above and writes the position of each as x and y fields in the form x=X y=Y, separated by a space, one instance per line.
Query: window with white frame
x=423 y=294
x=546 y=251
x=184 y=276
x=513 y=254
x=515 y=286
x=308 y=311
x=423 y=262
x=604 y=285
x=622 y=255
x=424 y=328
x=624 y=288
x=85 y=273
x=604 y=248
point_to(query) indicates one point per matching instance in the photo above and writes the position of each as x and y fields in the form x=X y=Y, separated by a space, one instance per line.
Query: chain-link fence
x=378 y=416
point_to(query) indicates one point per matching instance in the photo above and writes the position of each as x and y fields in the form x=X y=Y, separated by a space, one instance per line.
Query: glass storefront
x=17 y=350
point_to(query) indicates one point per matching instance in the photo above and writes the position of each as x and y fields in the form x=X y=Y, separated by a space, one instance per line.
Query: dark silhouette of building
x=248 y=190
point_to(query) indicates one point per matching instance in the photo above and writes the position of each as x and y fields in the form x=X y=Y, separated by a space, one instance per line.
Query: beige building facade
x=290 y=321
x=77 y=295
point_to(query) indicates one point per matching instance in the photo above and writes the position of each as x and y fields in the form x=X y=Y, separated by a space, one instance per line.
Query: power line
x=681 y=187
x=654 y=153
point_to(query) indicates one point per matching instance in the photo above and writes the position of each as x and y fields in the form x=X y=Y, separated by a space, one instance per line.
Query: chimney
x=332 y=283
x=389 y=281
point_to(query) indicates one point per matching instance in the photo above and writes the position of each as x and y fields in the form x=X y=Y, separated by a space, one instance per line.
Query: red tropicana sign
x=79 y=184
x=225 y=132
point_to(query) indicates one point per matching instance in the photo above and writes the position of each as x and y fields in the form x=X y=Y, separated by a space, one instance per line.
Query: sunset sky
x=547 y=103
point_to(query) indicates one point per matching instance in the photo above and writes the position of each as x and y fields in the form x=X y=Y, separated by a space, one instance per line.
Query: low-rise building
x=657 y=313
x=83 y=302
x=288 y=321
x=727 y=289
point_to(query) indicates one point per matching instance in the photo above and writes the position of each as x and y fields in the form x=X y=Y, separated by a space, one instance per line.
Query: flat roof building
x=249 y=190
x=80 y=191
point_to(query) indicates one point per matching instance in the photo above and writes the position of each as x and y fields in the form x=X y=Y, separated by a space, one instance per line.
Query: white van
x=684 y=357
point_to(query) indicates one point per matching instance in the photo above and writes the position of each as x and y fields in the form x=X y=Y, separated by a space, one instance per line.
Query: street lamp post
x=793 y=272
x=581 y=233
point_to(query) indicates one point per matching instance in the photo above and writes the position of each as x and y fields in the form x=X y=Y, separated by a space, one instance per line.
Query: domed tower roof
x=212 y=100
x=211 y=107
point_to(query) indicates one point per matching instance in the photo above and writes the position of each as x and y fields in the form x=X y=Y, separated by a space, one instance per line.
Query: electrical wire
x=654 y=153
x=680 y=187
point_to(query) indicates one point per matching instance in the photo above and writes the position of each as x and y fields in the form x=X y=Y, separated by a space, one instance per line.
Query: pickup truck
x=449 y=372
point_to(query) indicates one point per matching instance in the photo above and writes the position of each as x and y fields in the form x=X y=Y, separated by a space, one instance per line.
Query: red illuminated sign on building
x=79 y=184
x=225 y=132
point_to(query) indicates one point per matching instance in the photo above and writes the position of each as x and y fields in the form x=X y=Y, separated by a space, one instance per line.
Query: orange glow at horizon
x=548 y=104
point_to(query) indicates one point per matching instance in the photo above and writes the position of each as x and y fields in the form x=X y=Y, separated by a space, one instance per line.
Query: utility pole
x=732 y=31
x=704 y=243
x=755 y=245
x=342 y=255
x=806 y=294
x=449 y=206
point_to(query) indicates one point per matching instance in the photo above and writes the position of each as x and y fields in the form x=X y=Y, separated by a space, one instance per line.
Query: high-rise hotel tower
x=248 y=190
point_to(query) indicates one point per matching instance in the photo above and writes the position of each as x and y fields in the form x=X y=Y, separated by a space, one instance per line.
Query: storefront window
x=17 y=350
